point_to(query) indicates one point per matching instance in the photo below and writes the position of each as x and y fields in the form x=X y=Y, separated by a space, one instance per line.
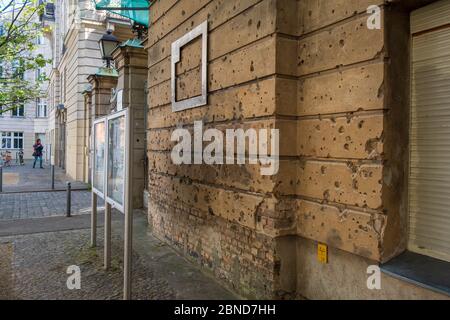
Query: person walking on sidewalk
x=37 y=154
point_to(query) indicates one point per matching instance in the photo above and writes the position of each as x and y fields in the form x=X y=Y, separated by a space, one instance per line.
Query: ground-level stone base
x=255 y=265
x=240 y=257
x=345 y=277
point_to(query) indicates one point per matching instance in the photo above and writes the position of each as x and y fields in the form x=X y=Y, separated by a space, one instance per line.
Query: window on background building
x=6 y=140
x=38 y=74
x=17 y=140
x=41 y=108
x=40 y=39
x=17 y=72
x=18 y=111
x=12 y=140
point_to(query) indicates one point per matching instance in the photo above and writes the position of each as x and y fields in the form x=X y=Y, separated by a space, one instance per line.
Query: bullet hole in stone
x=252 y=68
x=342 y=43
x=323 y=169
x=258 y=25
x=250 y=22
x=360 y=124
x=337 y=184
x=341 y=129
x=183 y=13
x=346 y=146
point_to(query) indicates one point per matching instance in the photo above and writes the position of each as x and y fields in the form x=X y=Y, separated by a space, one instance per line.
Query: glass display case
x=115 y=180
x=99 y=164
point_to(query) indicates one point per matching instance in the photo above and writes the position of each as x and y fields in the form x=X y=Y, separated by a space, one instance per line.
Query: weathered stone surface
x=342 y=44
x=316 y=14
x=357 y=137
x=345 y=183
x=349 y=230
x=253 y=100
x=250 y=62
x=227 y=18
x=209 y=200
x=311 y=69
x=355 y=89
x=245 y=177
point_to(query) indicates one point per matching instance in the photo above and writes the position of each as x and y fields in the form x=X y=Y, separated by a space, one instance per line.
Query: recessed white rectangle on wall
x=201 y=30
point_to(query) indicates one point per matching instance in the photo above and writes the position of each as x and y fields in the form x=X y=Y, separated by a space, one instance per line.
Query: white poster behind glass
x=99 y=157
x=116 y=160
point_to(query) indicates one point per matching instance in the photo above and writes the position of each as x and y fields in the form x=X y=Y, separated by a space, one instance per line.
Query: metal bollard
x=1 y=179
x=53 y=177
x=69 y=189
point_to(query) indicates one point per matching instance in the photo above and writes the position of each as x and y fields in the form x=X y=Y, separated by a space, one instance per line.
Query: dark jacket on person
x=38 y=150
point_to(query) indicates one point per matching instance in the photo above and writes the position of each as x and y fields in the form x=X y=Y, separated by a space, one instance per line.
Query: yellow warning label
x=322 y=253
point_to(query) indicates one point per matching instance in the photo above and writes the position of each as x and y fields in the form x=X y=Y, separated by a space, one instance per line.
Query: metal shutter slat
x=429 y=180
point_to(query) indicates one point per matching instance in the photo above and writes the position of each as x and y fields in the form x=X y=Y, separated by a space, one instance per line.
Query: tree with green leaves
x=19 y=29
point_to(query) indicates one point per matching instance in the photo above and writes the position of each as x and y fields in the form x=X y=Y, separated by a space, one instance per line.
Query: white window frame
x=41 y=105
x=18 y=115
x=6 y=137
x=11 y=137
x=17 y=137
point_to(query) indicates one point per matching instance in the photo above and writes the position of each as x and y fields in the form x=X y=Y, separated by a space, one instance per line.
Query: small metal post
x=107 y=246
x=53 y=177
x=94 y=220
x=1 y=179
x=69 y=204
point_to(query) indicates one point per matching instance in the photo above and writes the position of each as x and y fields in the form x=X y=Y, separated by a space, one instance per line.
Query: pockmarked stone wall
x=316 y=71
x=215 y=213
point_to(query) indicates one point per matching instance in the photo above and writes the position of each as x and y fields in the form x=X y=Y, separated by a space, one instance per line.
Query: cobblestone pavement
x=42 y=204
x=34 y=266
x=24 y=178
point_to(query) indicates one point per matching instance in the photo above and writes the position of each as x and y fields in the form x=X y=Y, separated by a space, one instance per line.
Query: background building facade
x=74 y=33
x=19 y=128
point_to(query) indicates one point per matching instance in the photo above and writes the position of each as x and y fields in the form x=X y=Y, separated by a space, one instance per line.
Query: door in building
x=62 y=141
x=429 y=181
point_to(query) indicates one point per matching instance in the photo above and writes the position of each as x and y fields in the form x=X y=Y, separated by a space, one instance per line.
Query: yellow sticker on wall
x=322 y=253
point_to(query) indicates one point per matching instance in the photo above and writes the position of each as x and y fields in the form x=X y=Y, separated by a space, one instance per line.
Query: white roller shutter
x=429 y=181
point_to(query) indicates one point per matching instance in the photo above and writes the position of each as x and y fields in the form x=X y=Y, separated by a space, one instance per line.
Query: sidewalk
x=28 y=205
x=24 y=178
x=34 y=265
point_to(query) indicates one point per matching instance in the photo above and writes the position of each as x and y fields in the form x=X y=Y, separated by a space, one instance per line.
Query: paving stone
x=43 y=204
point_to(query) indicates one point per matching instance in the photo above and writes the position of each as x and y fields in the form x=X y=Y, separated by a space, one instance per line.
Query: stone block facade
x=315 y=71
